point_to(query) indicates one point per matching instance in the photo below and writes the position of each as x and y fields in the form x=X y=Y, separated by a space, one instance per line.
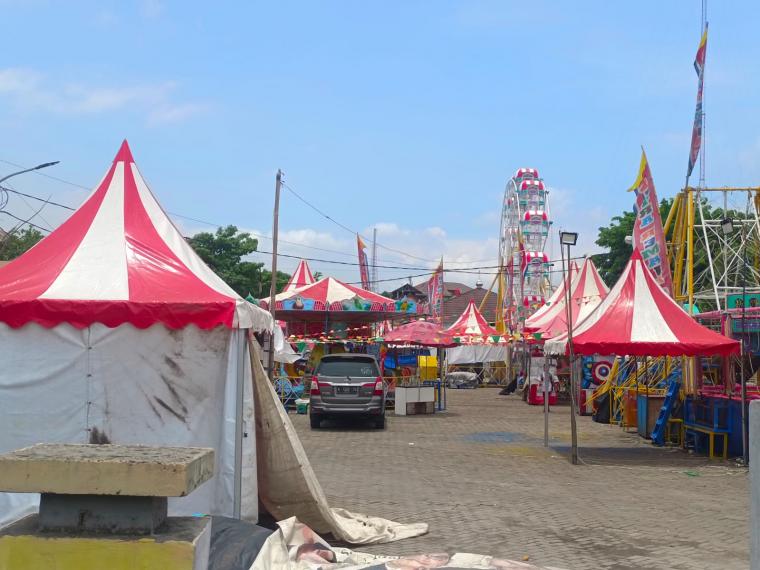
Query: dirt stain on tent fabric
x=171 y=410
x=98 y=437
x=174 y=393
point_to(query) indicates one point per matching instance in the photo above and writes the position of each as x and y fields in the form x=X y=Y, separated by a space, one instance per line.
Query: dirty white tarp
x=295 y=546
x=283 y=352
x=153 y=386
x=473 y=354
x=287 y=483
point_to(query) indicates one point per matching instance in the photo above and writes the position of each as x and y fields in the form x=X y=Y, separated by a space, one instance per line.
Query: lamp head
x=568 y=238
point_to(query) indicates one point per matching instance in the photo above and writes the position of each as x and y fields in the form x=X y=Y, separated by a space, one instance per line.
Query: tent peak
x=124 y=154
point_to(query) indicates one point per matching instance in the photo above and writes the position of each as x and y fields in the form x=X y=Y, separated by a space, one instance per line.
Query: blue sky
x=409 y=116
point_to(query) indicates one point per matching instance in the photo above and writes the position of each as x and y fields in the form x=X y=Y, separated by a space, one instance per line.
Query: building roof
x=453 y=307
x=452 y=288
x=406 y=290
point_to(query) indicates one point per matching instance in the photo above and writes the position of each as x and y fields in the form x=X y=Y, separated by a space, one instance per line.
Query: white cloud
x=418 y=249
x=30 y=90
x=151 y=9
x=168 y=113
x=570 y=211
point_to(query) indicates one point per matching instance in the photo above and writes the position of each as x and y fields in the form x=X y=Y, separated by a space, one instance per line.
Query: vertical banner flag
x=696 y=133
x=435 y=294
x=648 y=236
x=363 y=263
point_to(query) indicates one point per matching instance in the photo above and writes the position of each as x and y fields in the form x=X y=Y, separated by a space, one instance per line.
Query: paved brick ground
x=480 y=476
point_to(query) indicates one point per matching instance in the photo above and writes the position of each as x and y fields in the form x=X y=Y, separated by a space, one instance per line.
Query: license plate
x=345 y=390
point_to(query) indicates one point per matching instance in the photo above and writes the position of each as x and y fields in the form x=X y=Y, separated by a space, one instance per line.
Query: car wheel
x=380 y=422
x=315 y=421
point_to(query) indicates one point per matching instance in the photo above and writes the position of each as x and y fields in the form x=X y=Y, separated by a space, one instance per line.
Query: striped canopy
x=330 y=294
x=301 y=276
x=531 y=323
x=119 y=259
x=587 y=290
x=638 y=318
x=472 y=324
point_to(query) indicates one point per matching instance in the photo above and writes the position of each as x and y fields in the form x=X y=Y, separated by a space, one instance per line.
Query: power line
x=427 y=270
x=260 y=236
x=354 y=232
x=23 y=221
x=212 y=224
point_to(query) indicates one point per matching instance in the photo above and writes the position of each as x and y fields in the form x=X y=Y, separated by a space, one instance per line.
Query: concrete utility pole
x=273 y=285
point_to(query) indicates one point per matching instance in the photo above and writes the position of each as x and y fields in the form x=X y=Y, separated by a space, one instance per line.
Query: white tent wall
x=476 y=353
x=155 y=386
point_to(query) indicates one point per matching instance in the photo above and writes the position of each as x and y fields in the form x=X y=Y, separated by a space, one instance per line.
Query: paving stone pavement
x=480 y=476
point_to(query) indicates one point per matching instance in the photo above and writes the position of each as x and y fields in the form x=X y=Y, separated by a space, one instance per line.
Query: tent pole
x=239 y=404
x=273 y=284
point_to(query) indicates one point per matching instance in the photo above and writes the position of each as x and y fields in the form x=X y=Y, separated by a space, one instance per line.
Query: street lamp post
x=569 y=239
x=38 y=167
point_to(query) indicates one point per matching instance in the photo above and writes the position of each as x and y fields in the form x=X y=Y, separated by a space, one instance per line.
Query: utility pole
x=373 y=281
x=273 y=285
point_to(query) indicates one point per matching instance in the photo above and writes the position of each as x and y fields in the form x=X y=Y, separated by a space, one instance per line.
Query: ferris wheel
x=524 y=265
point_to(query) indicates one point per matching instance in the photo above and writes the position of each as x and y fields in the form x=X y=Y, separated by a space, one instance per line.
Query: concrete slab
x=135 y=470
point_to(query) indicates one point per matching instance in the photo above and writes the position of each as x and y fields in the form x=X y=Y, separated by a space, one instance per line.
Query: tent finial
x=124 y=154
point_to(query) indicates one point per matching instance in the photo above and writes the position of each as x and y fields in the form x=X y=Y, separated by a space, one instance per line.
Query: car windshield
x=360 y=368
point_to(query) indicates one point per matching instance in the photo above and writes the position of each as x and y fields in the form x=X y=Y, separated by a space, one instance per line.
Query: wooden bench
x=711 y=432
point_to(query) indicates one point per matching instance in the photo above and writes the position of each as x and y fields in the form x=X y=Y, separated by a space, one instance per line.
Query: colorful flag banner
x=363 y=263
x=696 y=132
x=435 y=294
x=648 y=236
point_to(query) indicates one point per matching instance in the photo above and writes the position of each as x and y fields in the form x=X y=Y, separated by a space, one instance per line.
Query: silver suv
x=347 y=384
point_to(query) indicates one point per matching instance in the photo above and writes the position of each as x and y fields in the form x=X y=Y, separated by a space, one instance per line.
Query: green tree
x=612 y=263
x=224 y=252
x=15 y=243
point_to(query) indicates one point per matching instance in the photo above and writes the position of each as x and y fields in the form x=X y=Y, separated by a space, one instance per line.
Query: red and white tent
x=471 y=323
x=97 y=344
x=531 y=323
x=638 y=318
x=330 y=294
x=587 y=290
x=301 y=277
x=119 y=259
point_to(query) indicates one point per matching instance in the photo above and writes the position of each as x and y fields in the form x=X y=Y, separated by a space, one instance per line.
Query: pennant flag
x=435 y=294
x=363 y=263
x=696 y=132
x=648 y=236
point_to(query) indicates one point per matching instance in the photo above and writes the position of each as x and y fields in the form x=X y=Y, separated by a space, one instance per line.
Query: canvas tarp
x=473 y=354
x=153 y=386
x=287 y=484
x=295 y=546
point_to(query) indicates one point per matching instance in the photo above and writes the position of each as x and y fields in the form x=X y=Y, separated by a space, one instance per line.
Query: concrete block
x=183 y=545
x=143 y=471
x=112 y=514
x=754 y=484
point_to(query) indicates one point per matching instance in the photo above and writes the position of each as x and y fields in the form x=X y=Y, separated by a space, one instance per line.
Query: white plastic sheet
x=475 y=353
x=287 y=484
x=125 y=385
x=295 y=546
